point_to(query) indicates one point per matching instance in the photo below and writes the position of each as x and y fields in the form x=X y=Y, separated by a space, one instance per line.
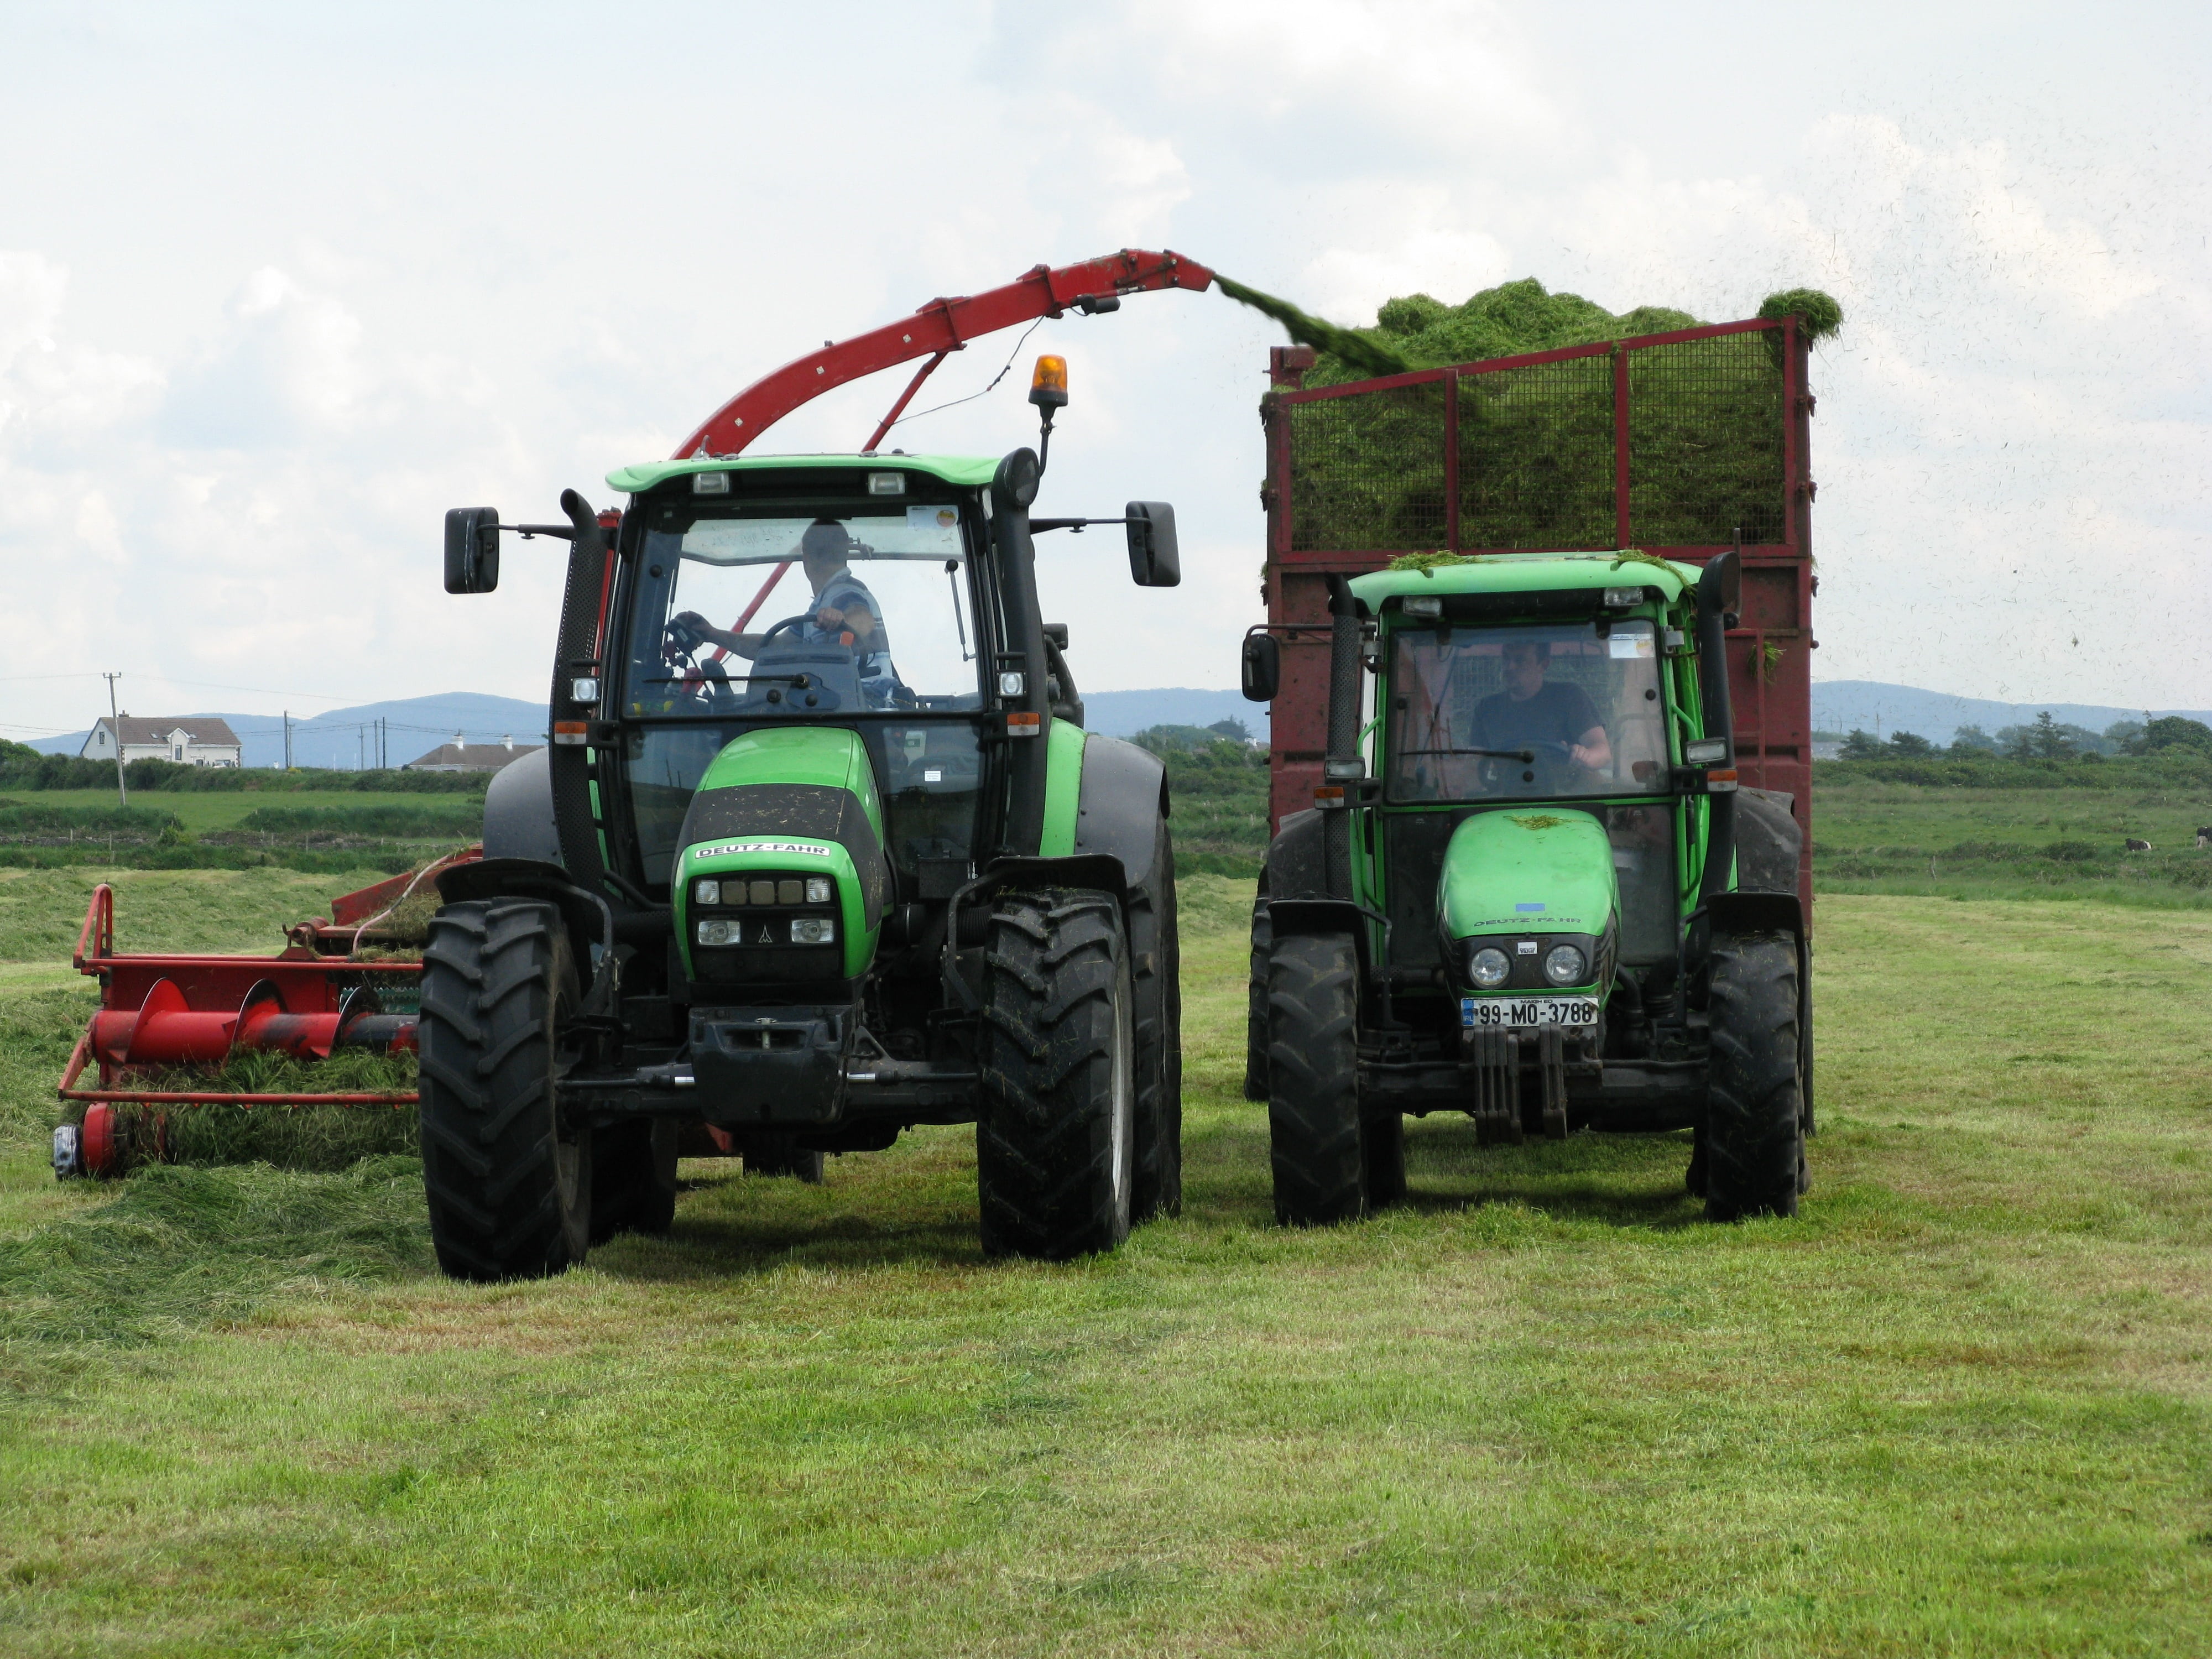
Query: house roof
x=473 y=756
x=198 y=728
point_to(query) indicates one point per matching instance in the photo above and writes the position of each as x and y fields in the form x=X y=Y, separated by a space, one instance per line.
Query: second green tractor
x=1531 y=889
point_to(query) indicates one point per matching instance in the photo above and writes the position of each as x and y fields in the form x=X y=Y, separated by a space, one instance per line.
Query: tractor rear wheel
x=508 y=1173
x=633 y=1177
x=1055 y=1137
x=1754 y=1136
x=1255 y=999
x=1314 y=1128
x=780 y=1155
x=1155 y=979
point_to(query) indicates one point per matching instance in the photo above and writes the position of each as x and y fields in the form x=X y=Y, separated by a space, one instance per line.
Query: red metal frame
x=1773 y=704
x=942 y=327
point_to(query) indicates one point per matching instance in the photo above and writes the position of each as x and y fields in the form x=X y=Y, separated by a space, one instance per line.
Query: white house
x=191 y=740
x=459 y=757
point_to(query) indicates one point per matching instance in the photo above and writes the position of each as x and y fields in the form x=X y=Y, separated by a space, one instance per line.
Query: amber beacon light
x=1048 y=386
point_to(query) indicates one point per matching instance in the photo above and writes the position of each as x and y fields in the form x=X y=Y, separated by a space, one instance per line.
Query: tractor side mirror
x=1263 y=667
x=471 y=550
x=1154 y=560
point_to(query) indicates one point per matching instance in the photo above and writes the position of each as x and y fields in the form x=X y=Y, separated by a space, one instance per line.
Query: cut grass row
x=1961 y=1405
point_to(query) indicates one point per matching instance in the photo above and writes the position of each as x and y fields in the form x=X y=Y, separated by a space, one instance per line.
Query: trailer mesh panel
x=1539 y=455
x=1705 y=441
x=1535 y=456
x=1370 y=470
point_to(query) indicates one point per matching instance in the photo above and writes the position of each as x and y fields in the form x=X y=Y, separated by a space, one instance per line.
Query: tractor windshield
x=1536 y=710
x=769 y=613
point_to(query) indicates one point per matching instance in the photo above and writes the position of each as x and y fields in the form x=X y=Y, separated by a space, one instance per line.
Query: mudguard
x=517 y=820
x=1122 y=804
x=1768 y=841
x=1748 y=913
x=1297 y=864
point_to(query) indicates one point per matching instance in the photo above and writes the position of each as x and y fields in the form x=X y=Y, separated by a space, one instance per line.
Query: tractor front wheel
x=1055 y=1139
x=1754 y=1138
x=508 y=1173
x=1315 y=1134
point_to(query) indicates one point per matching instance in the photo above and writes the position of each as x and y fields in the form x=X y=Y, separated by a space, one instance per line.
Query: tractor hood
x=1544 y=870
x=777 y=807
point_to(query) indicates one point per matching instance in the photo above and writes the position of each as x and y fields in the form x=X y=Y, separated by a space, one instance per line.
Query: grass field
x=202 y=812
x=1961 y=1406
x=1873 y=836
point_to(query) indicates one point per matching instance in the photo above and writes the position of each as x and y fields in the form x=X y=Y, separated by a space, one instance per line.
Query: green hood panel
x=799 y=799
x=1544 y=870
x=825 y=754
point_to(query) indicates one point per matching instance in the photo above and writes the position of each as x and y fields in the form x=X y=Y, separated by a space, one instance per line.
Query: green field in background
x=203 y=810
x=1961 y=1406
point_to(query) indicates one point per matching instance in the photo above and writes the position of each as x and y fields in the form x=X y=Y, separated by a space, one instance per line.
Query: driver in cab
x=844 y=612
x=1554 y=720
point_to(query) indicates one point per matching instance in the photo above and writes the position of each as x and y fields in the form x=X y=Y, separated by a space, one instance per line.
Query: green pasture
x=1871 y=836
x=202 y=811
x=1961 y=1406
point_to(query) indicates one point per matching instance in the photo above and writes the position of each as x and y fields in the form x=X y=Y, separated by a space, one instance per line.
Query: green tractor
x=1530 y=890
x=788 y=887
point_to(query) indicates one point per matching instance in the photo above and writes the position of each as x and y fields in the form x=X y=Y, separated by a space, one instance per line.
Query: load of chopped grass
x=182 y=1248
x=303 y=1138
x=1536 y=443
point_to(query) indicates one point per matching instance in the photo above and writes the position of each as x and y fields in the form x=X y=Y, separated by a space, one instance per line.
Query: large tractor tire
x=1754 y=1138
x=1056 y=1139
x=1155 y=979
x=1314 y=1130
x=508 y=1176
x=633 y=1177
x=1256 y=999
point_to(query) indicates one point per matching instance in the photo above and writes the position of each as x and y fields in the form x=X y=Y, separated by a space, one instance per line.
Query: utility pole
x=287 y=740
x=115 y=720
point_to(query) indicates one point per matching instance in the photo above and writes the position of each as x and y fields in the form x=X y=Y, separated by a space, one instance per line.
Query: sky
x=279 y=284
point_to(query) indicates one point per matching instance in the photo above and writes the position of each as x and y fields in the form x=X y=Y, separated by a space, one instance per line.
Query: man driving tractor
x=1555 y=717
x=845 y=611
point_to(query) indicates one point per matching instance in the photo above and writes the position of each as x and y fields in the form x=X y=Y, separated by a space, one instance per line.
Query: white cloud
x=236 y=451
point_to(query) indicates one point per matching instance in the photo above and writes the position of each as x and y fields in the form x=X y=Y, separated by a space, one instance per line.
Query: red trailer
x=1682 y=444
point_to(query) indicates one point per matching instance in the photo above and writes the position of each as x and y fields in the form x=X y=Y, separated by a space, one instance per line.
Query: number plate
x=1522 y=1013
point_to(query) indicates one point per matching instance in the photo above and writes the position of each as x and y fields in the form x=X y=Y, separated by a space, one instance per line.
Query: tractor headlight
x=718 y=933
x=1565 y=965
x=813 y=930
x=1489 y=967
x=817 y=889
x=705 y=892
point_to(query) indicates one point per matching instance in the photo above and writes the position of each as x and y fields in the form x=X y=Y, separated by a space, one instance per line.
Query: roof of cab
x=969 y=471
x=1527 y=573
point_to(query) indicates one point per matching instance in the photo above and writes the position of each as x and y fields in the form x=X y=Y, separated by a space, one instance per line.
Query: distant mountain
x=345 y=737
x=1869 y=705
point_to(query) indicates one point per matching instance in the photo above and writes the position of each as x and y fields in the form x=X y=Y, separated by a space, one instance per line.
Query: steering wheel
x=778 y=628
